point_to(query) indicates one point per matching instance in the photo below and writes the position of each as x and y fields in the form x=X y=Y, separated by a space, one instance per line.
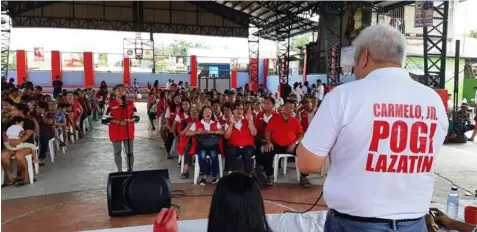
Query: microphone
x=123 y=98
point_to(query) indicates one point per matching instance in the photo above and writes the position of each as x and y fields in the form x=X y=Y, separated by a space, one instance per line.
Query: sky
x=74 y=40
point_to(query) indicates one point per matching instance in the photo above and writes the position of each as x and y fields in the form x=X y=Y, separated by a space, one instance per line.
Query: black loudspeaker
x=285 y=90
x=138 y=192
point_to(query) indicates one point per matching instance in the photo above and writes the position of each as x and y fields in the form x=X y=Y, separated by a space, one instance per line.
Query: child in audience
x=16 y=131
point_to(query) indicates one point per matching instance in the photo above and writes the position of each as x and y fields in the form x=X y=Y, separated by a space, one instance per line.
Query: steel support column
x=283 y=54
x=332 y=41
x=253 y=55
x=5 y=42
x=435 y=47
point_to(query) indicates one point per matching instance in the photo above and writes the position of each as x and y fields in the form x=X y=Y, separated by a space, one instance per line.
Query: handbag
x=207 y=142
x=166 y=221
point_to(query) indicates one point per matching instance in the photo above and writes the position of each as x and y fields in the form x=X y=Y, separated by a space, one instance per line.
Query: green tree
x=473 y=34
x=298 y=42
x=12 y=60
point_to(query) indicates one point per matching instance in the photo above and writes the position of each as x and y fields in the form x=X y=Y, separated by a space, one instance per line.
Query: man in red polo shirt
x=282 y=135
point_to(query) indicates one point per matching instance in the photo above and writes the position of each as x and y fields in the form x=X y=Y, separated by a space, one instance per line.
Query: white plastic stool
x=285 y=157
x=31 y=174
x=197 y=168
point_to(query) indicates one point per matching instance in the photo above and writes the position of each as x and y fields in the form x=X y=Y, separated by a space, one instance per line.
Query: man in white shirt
x=381 y=134
x=320 y=91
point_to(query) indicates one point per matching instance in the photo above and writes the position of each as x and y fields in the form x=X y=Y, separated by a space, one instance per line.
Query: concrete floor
x=85 y=167
x=88 y=162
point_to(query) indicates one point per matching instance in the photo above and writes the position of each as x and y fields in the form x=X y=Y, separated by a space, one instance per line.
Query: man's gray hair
x=384 y=43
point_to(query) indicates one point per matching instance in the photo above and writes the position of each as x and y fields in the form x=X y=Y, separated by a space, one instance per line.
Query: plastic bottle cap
x=454 y=188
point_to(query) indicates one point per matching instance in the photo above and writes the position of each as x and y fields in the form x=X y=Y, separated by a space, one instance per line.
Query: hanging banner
x=423 y=14
x=239 y=65
x=38 y=54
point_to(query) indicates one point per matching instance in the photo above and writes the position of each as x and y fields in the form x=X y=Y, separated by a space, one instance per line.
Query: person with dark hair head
x=237 y=206
x=15 y=95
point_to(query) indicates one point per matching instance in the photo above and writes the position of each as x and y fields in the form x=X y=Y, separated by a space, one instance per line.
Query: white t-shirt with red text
x=381 y=134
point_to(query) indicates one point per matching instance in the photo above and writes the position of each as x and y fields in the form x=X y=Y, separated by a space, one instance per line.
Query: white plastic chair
x=72 y=135
x=63 y=149
x=285 y=157
x=31 y=174
x=51 y=148
x=85 y=125
x=197 y=167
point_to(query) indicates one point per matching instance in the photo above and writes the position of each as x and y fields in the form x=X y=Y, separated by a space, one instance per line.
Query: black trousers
x=152 y=116
x=268 y=157
x=169 y=141
x=246 y=153
x=45 y=135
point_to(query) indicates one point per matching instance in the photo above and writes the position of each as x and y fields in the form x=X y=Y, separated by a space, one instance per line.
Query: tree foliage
x=298 y=42
x=177 y=48
x=473 y=34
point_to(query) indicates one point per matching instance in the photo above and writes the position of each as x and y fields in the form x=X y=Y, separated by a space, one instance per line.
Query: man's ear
x=364 y=58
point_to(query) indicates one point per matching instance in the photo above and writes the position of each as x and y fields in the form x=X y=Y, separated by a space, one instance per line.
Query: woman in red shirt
x=240 y=133
x=76 y=112
x=120 y=117
x=207 y=129
x=181 y=124
x=171 y=112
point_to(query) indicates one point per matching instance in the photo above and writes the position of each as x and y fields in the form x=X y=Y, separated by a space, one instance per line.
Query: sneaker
x=471 y=139
x=169 y=156
x=203 y=182
x=215 y=180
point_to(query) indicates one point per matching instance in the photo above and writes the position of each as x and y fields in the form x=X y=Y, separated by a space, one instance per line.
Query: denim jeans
x=214 y=162
x=334 y=223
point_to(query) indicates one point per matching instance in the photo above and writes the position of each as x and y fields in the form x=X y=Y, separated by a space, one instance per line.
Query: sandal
x=21 y=183
x=6 y=184
x=185 y=176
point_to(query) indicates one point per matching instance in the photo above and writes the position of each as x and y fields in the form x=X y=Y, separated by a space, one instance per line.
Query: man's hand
x=268 y=147
x=440 y=218
x=431 y=224
x=291 y=148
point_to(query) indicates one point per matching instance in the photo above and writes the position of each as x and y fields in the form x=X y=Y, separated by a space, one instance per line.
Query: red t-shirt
x=284 y=132
x=77 y=110
x=117 y=132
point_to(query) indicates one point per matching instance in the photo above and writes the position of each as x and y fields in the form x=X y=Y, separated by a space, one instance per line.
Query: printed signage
x=423 y=14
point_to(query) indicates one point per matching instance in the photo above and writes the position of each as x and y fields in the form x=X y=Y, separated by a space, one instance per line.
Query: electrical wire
x=181 y=193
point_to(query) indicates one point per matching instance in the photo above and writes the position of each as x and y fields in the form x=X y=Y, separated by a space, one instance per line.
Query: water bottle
x=453 y=203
